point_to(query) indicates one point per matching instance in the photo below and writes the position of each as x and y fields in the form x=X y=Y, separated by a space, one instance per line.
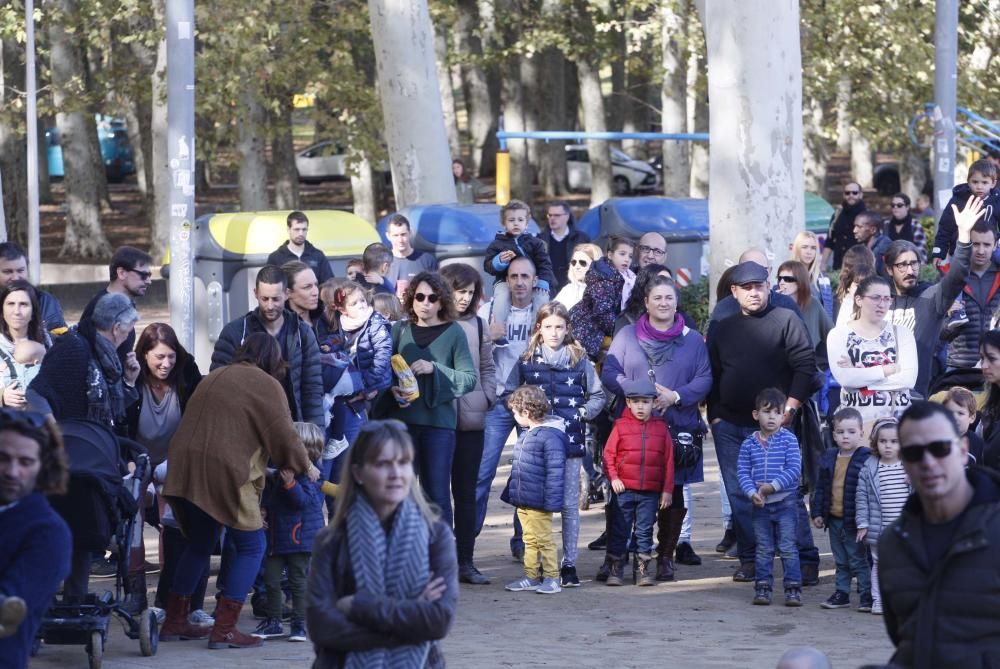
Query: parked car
x=116 y=150
x=630 y=175
x=323 y=161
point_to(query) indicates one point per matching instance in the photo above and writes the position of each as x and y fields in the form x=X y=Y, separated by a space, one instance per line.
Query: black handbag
x=687 y=448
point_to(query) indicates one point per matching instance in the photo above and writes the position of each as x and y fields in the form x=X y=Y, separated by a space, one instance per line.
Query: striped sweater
x=776 y=461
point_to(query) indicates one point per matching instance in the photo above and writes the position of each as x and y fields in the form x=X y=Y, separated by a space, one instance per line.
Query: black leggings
x=464 y=473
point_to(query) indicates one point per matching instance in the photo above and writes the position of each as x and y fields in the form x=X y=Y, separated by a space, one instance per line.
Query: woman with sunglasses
x=874 y=361
x=435 y=348
x=793 y=281
x=583 y=256
x=903 y=225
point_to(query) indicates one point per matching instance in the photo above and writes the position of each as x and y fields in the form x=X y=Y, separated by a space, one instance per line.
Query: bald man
x=652 y=249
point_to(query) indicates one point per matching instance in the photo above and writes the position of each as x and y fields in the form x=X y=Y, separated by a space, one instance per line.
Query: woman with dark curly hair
x=435 y=348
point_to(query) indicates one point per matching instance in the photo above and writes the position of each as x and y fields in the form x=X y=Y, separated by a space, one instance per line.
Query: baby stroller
x=99 y=505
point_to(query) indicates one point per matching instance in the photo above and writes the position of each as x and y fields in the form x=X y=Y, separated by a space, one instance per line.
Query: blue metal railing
x=571 y=135
x=971 y=129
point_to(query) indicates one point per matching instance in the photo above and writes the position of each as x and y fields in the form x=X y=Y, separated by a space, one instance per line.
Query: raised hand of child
x=618 y=486
x=507 y=256
x=862 y=533
x=666 y=499
x=818 y=523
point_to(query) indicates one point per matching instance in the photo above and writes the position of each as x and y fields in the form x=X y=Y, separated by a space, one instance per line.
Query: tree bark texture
x=84 y=236
x=673 y=99
x=363 y=190
x=913 y=171
x=592 y=103
x=13 y=145
x=862 y=165
x=286 y=177
x=843 y=103
x=514 y=121
x=698 y=122
x=816 y=155
x=755 y=118
x=479 y=105
x=159 y=162
x=251 y=148
x=552 y=115
x=408 y=87
x=447 y=93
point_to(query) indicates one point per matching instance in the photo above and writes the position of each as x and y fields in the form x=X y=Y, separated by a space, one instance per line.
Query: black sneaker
x=728 y=541
x=838 y=600
x=686 y=555
x=604 y=569
x=104 y=567
x=298 y=632
x=270 y=628
x=866 y=603
x=793 y=596
x=762 y=594
x=810 y=575
x=732 y=553
x=467 y=573
x=747 y=573
x=568 y=577
x=599 y=544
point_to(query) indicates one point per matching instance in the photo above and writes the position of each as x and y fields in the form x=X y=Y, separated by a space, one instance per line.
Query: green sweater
x=454 y=375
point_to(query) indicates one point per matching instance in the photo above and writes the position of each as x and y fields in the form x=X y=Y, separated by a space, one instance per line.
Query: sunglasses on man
x=939 y=449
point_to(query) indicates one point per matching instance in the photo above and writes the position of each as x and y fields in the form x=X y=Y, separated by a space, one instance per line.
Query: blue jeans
x=850 y=557
x=344 y=423
x=499 y=423
x=728 y=438
x=777 y=520
x=639 y=508
x=202 y=533
x=435 y=450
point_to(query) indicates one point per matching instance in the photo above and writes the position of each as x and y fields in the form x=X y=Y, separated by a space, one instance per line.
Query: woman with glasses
x=583 y=256
x=874 y=361
x=435 y=348
x=903 y=225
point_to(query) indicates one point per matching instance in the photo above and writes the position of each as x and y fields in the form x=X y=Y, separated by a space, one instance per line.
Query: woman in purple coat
x=660 y=346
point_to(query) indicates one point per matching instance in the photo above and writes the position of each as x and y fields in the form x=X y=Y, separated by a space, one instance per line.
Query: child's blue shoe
x=524 y=584
x=549 y=586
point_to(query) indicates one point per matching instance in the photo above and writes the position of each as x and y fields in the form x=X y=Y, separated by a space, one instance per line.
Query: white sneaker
x=200 y=618
x=877 y=609
x=524 y=584
x=549 y=586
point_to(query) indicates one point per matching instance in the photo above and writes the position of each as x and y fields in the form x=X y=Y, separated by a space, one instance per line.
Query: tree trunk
x=698 y=122
x=844 y=115
x=755 y=112
x=616 y=103
x=592 y=102
x=862 y=166
x=673 y=99
x=159 y=162
x=552 y=116
x=364 y=191
x=913 y=171
x=286 y=177
x=44 y=183
x=815 y=153
x=639 y=90
x=513 y=121
x=83 y=237
x=475 y=86
x=250 y=146
x=407 y=79
x=447 y=93
x=531 y=95
x=13 y=147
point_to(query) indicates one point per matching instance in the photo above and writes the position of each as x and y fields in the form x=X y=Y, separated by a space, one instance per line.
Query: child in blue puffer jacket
x=293 y=507
x=535 y=486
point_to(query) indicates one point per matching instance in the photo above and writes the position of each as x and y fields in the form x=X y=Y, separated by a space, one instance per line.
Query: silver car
x=629 y=175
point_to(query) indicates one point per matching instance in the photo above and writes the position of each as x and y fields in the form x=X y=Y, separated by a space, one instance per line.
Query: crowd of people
x=349 y=426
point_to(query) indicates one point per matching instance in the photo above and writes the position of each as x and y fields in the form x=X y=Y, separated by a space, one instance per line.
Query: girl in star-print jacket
x=559 y=365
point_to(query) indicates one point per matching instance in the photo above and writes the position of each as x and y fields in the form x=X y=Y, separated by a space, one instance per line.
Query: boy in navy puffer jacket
x=535 y=486
x=294 y=511
x=769 y=468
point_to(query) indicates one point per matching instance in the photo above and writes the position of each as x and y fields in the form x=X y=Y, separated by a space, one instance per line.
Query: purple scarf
x=658 y=345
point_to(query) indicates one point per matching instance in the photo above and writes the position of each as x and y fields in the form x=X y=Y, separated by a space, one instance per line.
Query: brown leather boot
x=176 y=626
x=616 y=576
x=666 y=538
x=224 y=632
x=642 y=570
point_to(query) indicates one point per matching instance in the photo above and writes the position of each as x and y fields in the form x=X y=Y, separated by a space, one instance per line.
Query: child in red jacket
x=639 y=458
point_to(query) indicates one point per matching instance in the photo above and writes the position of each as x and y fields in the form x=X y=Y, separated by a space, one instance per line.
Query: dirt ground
x=702 y=620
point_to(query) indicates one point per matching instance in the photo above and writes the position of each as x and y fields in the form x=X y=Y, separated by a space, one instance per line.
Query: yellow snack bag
x=407 y=380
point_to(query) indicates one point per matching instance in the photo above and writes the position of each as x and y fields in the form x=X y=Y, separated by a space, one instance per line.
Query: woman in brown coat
x=236 y=421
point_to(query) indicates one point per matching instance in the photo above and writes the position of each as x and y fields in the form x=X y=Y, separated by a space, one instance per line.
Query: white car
x=630 y=175
x=322 y=161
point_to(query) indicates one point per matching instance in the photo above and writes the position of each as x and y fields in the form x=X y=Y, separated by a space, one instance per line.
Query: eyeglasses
x=879 y=299
x=898 y=205
x=912 y=264
x=787 y=279
x=139 y=273
x=420 y=297
x=852 y=192
x=650 y=249
x=938 y=449
x=581 y=263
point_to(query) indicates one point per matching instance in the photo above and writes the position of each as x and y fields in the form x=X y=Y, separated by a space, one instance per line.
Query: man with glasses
x=938 y=567
x=652 y=249
x=868 y=231
x=131 y=276
x=920 y=306
x=902 y=225
x=841 y=234
x=561 y=237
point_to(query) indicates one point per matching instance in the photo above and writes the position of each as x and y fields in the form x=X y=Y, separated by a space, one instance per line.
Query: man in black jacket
x=304 y=382
x=841 y=234
x=938 y=570
x=561 y=236
x=297 y=248
x=762 y=346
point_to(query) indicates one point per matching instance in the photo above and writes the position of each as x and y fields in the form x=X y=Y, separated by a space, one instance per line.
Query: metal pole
x=180 y=156
x=31 y=109
x=945 y=99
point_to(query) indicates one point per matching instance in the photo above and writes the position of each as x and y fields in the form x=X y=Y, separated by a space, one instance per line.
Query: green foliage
x=694 y=303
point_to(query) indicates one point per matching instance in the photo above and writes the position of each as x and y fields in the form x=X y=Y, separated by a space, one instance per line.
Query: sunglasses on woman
x=787 y=279
x=938 y=449
x=420 y=297
x=581 y=263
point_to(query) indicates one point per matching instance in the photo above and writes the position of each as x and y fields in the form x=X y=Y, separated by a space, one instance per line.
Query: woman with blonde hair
x=805 y=249
x=583 y=256
x=383 y=581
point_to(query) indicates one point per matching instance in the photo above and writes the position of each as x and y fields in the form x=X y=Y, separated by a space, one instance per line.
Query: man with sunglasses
x=561 y=237
x=920 y=306
x=130 y=275
x=841 y=234
x=938 y=566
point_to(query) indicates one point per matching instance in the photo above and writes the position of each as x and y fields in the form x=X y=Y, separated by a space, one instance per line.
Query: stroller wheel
x=95 y=650
x=149 y=633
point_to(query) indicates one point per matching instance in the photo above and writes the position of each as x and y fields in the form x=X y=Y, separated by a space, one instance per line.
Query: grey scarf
x=394 y=565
